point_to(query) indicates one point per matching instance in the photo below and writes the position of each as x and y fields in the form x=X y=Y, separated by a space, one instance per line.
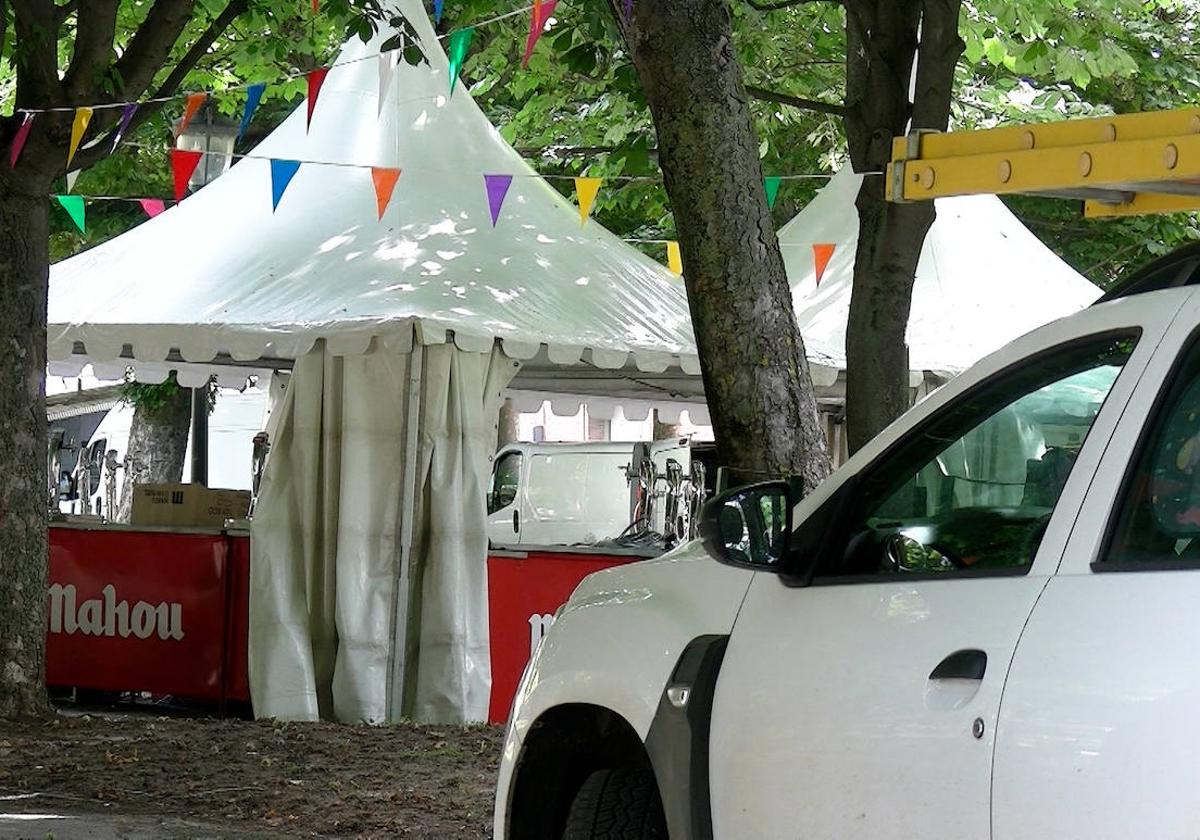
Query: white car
x=985 y=625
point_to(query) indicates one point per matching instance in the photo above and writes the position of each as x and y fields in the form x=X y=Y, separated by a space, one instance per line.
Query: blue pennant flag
x=282 y=172
x=253 y=95
x=437 y=11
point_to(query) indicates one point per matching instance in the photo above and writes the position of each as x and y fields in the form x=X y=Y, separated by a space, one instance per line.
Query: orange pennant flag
x=385 y=183
x=194 y=101
x=822 y=254
x=83 y=116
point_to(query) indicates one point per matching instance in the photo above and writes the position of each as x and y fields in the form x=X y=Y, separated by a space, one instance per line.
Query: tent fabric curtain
x=327 y=539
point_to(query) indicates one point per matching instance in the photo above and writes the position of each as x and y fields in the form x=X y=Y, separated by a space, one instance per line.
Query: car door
x=864 y=704
x=504 y=499
x=1099 y=732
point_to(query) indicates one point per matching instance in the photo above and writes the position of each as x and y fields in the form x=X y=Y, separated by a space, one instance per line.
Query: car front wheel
x=620 y=803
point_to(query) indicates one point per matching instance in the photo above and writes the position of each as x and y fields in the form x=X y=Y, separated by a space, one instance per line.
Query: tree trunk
x=510 y=424
x=24 y=494
x=665 y=431
x=755 y=373
x=881 y=47
x=157 y=446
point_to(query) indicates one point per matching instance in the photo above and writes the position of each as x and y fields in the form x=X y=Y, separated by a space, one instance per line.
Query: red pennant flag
x=542 y=10
x=19 y=141
x=194 y=101
x=385 y=183
x=316 y=78
x=316 y=4
x=183 y=164
x=822 y=254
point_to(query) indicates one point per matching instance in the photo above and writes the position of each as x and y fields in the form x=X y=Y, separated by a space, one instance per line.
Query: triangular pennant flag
x=674 y=258
x=282 y=172
x=542 y=10
x=254 y=95
x=152 y=206
x=316 y=78
x=627 y=10
x=460 y=42
x=437 y=11
x=194 y=101
x=387 y=69
x=772 y=186
x=822 y=253
x=183 y=164
x=497 y=189
x=19 y=140
x=83 y=116
x=72 y=177
x=385 y=182
x=585 y=193
x=73 y=204
x=126 y=116
x=316 y=5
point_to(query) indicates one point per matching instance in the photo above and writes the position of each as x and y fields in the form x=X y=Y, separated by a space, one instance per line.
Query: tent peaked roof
x=222 y=273
x=983 y=279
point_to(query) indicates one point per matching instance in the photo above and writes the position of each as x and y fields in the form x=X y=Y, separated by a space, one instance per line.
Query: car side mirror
x=750 y=527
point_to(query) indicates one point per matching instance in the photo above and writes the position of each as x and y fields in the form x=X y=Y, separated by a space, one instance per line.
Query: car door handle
x=961 y=665
x=516 y=522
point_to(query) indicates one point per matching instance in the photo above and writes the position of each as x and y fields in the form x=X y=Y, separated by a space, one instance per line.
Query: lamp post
x=213 y=135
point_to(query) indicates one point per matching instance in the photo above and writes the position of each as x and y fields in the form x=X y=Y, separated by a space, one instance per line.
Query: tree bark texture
x=157 y=446
x=881 y=47
x=752 y=358
x=24 y=486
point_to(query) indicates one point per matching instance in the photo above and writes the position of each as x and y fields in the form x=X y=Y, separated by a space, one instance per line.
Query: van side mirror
x=749 y=527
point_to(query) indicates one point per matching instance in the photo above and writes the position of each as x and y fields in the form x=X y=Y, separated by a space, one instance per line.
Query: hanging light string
x=289 y=77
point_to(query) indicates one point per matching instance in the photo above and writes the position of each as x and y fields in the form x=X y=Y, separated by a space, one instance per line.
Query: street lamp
x=214 y=135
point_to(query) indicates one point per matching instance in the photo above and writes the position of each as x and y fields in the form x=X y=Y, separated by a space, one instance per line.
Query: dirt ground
x=162 y=776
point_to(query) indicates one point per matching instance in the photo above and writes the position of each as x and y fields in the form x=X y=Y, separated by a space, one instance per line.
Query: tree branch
x=94 y=36
x=784 y=4
x=151 y=46
x=65 y=11
x=170 y=86
x=34 y=56
x=796 y=101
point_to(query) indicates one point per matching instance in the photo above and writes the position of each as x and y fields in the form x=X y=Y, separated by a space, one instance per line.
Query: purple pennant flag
x=19 y=141
x=627 y=10
x=497 y=189
x=126 y=115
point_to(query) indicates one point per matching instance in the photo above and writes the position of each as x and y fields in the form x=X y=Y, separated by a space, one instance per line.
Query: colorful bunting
x=387 y=69
x=542 y=10
x=183 y=164
x=254 y=95
x=73 y=204
x=437 y=11
x=772 y=187
x=497 y=189
x=126 y=116
x=79 y=125
x=385 y=182
x=674 y=258
x=194 y=102
x=152 y=206
x=822 y=253
x=19 y=140
x=585 y=193
x=460 y=42
x=316 y=78
x=282 y=172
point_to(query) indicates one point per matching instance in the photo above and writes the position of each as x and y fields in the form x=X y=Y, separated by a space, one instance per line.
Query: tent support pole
x=398 y=664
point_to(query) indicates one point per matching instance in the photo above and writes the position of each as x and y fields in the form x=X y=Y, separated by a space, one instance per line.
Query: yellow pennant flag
x=674 y=258
x=83 y=116
x=585 y=191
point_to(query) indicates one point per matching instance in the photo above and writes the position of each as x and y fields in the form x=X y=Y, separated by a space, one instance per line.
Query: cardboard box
x=187 y=505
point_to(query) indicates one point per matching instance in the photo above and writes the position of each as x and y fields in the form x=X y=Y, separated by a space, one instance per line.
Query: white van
x=571 y=493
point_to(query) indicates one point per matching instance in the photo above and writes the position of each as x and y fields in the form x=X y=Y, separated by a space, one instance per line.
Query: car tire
x=620 y=803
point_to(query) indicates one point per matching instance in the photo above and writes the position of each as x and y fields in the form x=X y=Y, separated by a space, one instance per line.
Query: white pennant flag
x=387 y=69
x=72 y=177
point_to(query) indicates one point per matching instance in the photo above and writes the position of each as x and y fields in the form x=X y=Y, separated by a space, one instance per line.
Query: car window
x=1159 y=519
x=973 y=488
x=506 y=478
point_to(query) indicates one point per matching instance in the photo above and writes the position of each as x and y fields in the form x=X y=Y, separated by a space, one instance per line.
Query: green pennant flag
x=772 y=185
x=73 y=204
x=460 y=42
